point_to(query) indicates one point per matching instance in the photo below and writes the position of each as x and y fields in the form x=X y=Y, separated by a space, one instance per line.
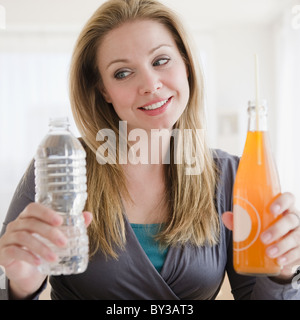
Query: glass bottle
x=255 y=188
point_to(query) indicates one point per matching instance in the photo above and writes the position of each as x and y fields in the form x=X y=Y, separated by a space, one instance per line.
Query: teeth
x=155 y=105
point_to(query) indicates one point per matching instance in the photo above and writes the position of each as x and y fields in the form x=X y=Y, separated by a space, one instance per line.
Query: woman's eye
x=161 y=62
x=121 y=74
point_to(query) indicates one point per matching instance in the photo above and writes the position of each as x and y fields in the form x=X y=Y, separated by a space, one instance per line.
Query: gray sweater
x=188 y=272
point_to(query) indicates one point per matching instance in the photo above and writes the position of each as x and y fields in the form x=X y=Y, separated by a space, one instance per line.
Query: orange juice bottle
x=256 y=186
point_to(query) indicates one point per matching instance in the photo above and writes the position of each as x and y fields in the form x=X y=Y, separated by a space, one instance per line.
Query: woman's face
x=144 y=76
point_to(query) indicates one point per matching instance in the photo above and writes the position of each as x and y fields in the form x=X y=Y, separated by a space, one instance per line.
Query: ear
x=105 y=94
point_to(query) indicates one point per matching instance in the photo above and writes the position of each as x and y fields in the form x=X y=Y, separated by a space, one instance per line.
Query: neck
x=148 y=148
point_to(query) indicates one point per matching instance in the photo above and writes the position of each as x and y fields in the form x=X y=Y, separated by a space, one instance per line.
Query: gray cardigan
x=189 y=272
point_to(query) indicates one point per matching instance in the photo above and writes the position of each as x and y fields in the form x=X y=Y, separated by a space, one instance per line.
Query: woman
x=156 y=231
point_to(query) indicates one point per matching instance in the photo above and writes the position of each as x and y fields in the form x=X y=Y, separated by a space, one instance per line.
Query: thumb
x=227 y=218
x=88 y=217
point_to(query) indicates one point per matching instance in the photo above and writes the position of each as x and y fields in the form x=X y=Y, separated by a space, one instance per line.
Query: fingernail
x=282 y=261
x=57 y=220
x=272 y=251
x=51 y=256
x=266 y=237
x=37 y=261
x=275 y=208
x=61 y=241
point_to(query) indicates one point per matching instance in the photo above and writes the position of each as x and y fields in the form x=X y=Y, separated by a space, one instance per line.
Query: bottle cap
x=59 y=122
x=263 y=107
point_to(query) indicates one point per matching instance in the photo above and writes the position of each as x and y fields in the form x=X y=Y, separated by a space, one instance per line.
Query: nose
x=149 y=82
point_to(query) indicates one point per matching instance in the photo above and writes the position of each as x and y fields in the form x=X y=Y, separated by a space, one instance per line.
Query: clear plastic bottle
x=60 y=179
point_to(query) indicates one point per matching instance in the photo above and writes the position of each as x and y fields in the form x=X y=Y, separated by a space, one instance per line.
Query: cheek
x=120 y=100
x=180 y=80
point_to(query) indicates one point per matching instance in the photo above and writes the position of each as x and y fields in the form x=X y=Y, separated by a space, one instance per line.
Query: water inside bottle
x=60 y=176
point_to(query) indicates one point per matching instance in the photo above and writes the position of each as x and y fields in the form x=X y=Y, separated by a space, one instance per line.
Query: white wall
x=33 y=87
x=230 y=75
x=32 y=91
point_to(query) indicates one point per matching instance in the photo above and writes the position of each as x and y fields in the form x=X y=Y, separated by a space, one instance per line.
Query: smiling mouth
x=155 y=105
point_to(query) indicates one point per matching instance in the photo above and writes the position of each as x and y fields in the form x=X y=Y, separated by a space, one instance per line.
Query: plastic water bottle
x=60 y=184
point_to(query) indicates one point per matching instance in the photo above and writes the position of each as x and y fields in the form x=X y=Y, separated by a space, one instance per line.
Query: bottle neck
x=59 y=124
x=258 y=121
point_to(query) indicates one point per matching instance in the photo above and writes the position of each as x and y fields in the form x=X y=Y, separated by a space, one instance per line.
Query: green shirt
x=145 y=234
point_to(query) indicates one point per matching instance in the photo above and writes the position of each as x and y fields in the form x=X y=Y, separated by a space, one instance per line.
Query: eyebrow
x=126 y=60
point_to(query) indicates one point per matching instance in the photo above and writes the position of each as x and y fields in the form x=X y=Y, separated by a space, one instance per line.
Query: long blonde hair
x=190 y=198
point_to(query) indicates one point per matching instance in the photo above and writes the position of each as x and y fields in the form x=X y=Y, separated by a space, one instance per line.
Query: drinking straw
x=257 y=90
x=258 y=134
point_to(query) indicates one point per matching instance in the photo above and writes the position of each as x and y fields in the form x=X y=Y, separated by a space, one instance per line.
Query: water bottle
x=60 y=184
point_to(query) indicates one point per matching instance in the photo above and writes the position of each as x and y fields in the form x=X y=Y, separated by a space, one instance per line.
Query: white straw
x=259 y=141
x=257 y=91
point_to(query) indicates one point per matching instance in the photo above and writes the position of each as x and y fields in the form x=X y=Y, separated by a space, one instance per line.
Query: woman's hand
x=20 y=249
x=283 y=237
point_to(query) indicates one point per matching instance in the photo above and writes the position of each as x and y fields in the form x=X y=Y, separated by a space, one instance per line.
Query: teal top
x=145 y=234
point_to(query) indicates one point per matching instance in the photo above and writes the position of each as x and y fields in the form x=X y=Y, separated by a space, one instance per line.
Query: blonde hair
x=190 y=198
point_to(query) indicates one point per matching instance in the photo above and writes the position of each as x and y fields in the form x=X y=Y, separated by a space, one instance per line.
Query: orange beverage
x=256 y=186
